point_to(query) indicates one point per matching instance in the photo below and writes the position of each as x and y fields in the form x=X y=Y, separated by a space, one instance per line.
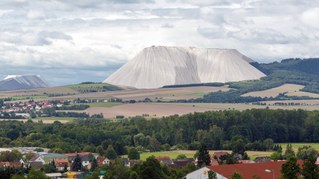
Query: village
x=47 y=108
x=79 y=165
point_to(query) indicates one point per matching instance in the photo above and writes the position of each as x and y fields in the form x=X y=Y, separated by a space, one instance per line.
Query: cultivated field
x=163 y=94
x=287 y=89
x=167 y=109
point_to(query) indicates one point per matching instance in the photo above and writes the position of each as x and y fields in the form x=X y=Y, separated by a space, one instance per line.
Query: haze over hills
x=159 y=66
x=17 y=82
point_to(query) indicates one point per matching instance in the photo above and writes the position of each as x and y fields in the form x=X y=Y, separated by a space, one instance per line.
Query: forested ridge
x=294 y=71
x=218 y=130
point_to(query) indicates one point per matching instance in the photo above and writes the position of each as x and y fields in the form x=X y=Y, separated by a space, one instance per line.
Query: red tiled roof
x=163 y=158
x=249 y=170
x=10 y=164
x=61 y=162
x=219 y=154
x=101 y=160
x=81 y=154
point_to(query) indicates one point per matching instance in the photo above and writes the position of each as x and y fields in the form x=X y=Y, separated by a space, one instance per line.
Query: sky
x=67 y=41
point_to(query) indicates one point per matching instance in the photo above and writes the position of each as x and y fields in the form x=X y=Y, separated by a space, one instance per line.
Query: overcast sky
x=71 y=41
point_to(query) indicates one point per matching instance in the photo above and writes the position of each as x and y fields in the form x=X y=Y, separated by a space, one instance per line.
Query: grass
x=54 y=118
x=106 y=105
x=16 y=98
x=190 y=154
x=93 y=85
x=295 y=146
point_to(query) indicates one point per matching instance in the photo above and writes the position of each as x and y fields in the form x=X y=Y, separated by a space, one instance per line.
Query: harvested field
x=287 y=89
x=38 y=92
x=163 y=109
x=163 y=94
x=167 y=109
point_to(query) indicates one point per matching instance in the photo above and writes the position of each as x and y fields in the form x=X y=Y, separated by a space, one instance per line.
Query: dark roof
x=262 y=159
x=36 y=165
x=182 y=162
x=126 y=161
x=250 y=170
x=219 y=154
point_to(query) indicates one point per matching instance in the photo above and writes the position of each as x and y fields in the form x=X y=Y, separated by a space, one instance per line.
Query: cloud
x=66 y=41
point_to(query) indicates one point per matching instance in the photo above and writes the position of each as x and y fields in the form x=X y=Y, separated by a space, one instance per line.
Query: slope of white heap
x=17 y=82
x=155 y=67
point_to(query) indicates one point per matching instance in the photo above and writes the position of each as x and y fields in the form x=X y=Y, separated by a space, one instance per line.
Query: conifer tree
x=77 y=163
x=203 y=156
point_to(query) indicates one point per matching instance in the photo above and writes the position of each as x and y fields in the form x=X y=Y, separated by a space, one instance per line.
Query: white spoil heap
x=155 y=67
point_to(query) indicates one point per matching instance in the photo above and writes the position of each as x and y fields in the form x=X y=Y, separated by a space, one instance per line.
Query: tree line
x=255 y=129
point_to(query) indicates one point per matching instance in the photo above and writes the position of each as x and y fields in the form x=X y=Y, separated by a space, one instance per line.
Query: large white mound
x=155 y=67
x=17 y=82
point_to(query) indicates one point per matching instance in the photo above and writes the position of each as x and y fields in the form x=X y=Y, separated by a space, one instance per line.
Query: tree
x=65 y=168
x=77 y=163
x=17 y=153
x=310 y=169
x=133 y=175
x=154 y=144
x=151 y=168
x=203 y=156
x=306 y=152
x=50 y=168
x=36 y=174
x=110 y=153
x=289 y=152
x=117 y=170
x=133 y=154
x=94 y=164
x=236 y=176
x=181 y=156
x=99 y=150
x=290 y=169
x=15 y=176
x=211 y=175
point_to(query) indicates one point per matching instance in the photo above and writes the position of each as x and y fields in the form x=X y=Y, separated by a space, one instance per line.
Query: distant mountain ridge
x=159 y=66
x=18 y=82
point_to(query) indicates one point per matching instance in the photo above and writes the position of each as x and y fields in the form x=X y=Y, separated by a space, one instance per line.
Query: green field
x=17 y=98
x=54 y=119
x=190 y=154
x=106 y=105
x=295 y=146
x=93 y=86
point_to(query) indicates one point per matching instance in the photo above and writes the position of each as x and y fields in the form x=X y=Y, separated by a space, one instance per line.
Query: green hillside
x=294 y=71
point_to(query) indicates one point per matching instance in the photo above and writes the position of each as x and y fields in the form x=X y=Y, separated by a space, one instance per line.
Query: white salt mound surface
x=17 y=82
x=155 y=67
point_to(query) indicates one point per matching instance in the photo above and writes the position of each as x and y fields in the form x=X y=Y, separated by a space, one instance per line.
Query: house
x=55 y=175
x=11 y=164
x=126 y=162
x=179 y=163
x=134 y=162
x=85 y=157
x=49 y=157
x=24 y=115
x=165 y=160
x=215 y=158
x=264 y=170
x=36 y=165
x=37 y=159
x=61 y=163
x=103 y=161
x=262 y=159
